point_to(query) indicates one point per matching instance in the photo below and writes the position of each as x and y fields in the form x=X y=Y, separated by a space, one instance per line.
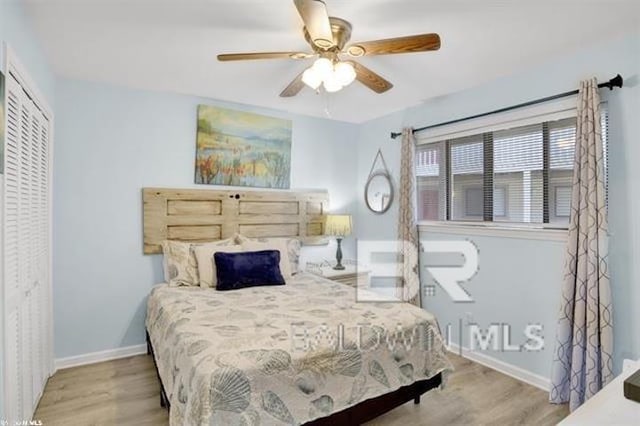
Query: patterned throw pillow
x=292 y=248
x=179 y=262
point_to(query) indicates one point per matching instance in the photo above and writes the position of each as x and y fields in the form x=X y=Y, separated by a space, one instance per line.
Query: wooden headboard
x=209 y=215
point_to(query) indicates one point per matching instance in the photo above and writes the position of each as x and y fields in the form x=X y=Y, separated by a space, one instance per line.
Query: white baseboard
x=503 y=367
x=94 y=357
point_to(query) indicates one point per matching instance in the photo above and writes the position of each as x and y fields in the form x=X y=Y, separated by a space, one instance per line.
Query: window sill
x=507 y=230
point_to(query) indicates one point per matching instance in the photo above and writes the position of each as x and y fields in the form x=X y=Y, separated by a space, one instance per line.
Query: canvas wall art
x=240 y=148
x=1 y=123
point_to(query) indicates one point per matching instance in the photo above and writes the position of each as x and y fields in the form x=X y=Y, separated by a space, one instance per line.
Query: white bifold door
x=26 y=252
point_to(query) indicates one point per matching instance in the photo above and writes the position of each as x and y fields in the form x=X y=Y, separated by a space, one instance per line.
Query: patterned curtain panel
x=408 y=285
x=582 y=362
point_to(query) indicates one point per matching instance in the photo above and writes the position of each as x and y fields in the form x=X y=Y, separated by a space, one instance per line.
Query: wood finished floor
x=126 y=392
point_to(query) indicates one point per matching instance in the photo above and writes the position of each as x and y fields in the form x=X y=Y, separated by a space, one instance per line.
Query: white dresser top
x=609 y=406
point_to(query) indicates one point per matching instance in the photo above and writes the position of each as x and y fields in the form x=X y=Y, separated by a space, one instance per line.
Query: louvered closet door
x=39 y=196
x=36 y=260
x=13 y=292
x=24 y=246
x=26 y=253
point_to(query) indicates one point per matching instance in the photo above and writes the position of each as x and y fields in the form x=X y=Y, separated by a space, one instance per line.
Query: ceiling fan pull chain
x=327 y=109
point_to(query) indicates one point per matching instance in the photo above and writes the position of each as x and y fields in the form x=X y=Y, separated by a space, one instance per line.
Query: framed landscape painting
x=242 y=149
x=1 y=123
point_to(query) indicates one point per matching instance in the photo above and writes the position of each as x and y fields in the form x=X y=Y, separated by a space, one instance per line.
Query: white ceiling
x=171 y=45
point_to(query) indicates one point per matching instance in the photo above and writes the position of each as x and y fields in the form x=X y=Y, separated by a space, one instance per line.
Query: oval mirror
x=378 y=193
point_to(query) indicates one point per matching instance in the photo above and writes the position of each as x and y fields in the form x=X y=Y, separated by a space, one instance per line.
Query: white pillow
x=206 y=264
x=292 y=244
x=280 y=245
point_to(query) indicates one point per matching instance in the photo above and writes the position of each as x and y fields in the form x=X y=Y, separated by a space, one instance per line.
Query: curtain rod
x=614 y=82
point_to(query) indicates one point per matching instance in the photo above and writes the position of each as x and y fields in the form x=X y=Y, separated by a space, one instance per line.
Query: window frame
x=537 y=114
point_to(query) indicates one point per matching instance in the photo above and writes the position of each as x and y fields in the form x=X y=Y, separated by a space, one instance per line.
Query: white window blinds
x=517 y=172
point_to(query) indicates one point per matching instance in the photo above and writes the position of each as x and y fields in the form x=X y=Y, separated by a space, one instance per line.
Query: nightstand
x=349 y=276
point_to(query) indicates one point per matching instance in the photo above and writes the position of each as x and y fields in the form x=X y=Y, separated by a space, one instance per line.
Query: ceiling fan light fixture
x=311 y=78
x=333 y=77
x=323 y=67
x=344 y=73
x=332 y=84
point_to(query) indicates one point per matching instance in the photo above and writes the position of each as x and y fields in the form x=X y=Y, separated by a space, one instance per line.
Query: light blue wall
x=517 y=283
x=520 y=280
x=110 y=143
x=15 y=30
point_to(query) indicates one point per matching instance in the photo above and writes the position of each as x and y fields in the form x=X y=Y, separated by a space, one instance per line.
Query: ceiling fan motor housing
x=341 y=31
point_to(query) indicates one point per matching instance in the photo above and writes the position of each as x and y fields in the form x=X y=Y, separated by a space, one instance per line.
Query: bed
x=302 y=353
x=271 y=355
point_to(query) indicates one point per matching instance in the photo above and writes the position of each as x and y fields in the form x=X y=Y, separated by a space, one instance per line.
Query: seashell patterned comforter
x=284 y=354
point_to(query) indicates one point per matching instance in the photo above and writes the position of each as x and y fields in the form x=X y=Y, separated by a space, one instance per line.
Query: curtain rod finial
x=616 y=81
x=395 y=135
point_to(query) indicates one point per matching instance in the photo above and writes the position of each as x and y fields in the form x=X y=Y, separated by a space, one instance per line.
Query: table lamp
x=339 y=226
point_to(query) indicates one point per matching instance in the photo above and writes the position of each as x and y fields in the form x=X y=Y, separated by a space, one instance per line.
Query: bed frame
x=206 y=215
x=358 y=414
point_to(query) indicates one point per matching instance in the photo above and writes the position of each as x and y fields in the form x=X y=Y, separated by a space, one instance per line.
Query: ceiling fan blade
x=263 y=55
x=409 y=44
x=370 y=79
x=294 y=87
x=316 y=20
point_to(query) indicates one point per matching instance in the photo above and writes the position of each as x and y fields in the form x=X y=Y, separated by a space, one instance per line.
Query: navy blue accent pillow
x=247 y=269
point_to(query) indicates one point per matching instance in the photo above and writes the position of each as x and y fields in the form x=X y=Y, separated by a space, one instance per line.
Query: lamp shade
x=338 y=225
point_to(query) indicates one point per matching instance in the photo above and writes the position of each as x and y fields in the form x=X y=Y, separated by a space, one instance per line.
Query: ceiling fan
x=328 y=37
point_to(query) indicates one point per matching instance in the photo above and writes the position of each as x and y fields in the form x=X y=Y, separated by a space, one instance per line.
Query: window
x=466 y=178
x=500 y=201
x=518 y=166
x=431 y=181
x=473 y=202
x=521 y=174
x=562 y=201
